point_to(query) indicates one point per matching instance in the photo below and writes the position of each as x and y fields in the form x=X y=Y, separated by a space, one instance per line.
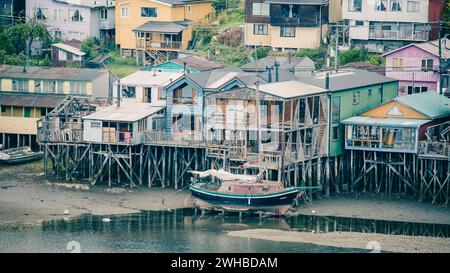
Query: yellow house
x=289 y=24
x=27 y=96
x=152 y=30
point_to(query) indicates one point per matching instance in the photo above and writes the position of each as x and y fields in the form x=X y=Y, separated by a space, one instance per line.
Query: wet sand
x=371 y=241
x=26 y=196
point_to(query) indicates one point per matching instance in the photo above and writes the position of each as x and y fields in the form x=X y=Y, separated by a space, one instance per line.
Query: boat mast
x=258 y=125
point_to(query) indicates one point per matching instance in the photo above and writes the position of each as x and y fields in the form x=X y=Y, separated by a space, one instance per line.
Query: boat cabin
x=396 y=126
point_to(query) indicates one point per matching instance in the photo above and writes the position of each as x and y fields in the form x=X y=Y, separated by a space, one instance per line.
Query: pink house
x=416 y=66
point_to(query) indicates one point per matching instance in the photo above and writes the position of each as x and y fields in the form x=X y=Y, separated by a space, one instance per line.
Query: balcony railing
x=152 y=44
x=122 y=138
x=420 y=35
x=104 y=24
x=436 y=149
x=193 y=139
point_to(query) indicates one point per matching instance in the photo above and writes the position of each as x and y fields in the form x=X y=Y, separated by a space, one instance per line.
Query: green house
x=193 y=64
x=351 y=92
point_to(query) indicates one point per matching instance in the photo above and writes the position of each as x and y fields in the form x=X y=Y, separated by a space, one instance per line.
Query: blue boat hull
x=277 y=203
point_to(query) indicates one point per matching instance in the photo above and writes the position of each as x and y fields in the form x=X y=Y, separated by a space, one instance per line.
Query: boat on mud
x=19 y=155
x=223 y=191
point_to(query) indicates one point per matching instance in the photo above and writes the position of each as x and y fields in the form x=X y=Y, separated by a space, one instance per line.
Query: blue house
x=186 y=95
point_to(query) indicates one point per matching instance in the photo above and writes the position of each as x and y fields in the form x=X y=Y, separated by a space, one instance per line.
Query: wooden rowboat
x=19 y=155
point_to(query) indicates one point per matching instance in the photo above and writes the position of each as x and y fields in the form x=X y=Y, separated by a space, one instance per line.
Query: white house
x=383 y=25
x=74 y=19
x=147 y=86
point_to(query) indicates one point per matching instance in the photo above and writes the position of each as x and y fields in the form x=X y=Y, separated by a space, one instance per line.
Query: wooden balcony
x=434 y=149
x=194 y=139
x=420 y=35
x=158 y=45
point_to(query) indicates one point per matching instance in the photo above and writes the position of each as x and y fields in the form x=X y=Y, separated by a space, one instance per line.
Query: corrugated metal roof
x=89 y=3
x=197 y=63
x=348 y=79
x=160 y=27
x=148 y=78
x=53 y=73
x=430 y=104
x=30 y=100
x=385 y=122
x=69 y=48
x=283 y=61
x=430 y=46
x=127 y=112
x=290 y=89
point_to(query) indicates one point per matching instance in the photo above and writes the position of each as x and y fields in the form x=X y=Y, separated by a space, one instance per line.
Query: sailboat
x=224 y=191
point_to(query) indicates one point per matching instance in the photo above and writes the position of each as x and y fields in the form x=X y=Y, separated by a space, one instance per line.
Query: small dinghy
x=19 y=155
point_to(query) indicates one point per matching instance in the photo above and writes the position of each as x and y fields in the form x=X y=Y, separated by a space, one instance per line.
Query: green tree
x=23 y=35
x=91 y=46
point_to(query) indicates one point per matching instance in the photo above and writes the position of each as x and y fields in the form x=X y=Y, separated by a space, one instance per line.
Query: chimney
x=327 y=81
x=184 y=67
x=118 y=94
x=277 y=65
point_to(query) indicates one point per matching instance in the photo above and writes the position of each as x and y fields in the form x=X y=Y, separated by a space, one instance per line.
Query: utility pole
x=336 y=37
x=440 y=57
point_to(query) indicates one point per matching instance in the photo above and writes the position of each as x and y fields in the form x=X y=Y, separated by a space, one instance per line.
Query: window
x=62 y=55
x=189 y=8
x=57 y=34
x=6 y=9
x=336 y=134
x=96 y=124
x=148 y=12
x=125 y=12
x=40 y=14
x=184 y=122
x=20 y=85
x=161 y=94
x=260 y=29
x=260 y=9
x=26 y=112
x=402 y=89
x=74 y=35
x=397 y=63
x=424 y=89
x=43 y=112
x=410 y=90
x=184 y=94
x=104 y=14
x=359 y=23
x=369 y=93
x=413 y=6
x=49 y=87
x=354 y=5
x=356 y=96
x=60 y=87
x=128 y=91
x=381 y=5
x=336 y=109
x=290 y=11
x=427 y=64
x=287 y=31
x=37 y=86
x=57 y=15
x=396 y=5
x=78 y=88
x=75 y=16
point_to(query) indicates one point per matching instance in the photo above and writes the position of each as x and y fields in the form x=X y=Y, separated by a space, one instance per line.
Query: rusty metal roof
x=54 y=73
x=30 y=100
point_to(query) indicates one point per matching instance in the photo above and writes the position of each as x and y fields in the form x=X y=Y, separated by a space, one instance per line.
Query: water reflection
x=184 y=231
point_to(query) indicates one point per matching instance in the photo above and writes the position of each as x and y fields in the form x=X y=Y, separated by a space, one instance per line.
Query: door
x=148 y=93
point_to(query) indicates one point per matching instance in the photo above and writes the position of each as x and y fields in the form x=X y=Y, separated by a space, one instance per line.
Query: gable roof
x=348 y=79
x=430 y=104
x=197 y=63
x=283 y=61
x=290 y=89
x=129 y=111
x=69 y=48
x=88 y=3
x=52 y=73
x=218 y=78
x=430 y=46
x=299 y=2
x=162 y=27
x=180 y=2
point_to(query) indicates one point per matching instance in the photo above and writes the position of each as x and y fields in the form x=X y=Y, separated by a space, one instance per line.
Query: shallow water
x=183 y=231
